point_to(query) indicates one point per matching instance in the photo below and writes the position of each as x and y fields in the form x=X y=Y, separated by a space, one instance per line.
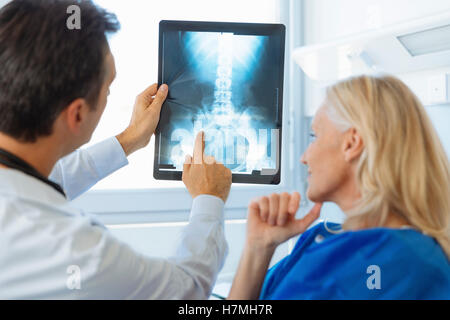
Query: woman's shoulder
x=384 y=242
x=403 y=242
x=409 y=263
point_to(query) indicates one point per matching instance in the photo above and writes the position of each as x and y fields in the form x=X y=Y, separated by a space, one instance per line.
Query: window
x=135 y=49
x=132 y=195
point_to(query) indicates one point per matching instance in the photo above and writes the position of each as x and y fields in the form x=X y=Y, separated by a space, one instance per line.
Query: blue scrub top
x=377 y=263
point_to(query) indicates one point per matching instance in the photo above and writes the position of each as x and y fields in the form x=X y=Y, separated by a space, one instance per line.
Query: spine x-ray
x=228 y=85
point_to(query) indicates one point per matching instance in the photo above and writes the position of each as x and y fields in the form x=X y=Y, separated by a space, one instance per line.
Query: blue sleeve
x=275 y=273
x=269 y=280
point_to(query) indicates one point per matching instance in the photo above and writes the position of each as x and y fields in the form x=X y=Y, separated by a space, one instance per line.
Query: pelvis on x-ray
x=225 y=85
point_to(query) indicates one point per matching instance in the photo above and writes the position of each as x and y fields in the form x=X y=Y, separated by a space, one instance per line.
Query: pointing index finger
x=199 y=148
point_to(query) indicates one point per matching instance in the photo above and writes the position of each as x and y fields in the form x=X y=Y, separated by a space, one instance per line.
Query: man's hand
x=271 y=220
x=144 y=120
x=202 y=175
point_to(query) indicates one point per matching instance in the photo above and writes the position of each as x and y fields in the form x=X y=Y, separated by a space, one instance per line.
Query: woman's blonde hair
x=403 y=169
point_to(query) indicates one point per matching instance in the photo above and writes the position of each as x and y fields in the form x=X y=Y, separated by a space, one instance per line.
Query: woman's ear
x=76 y=115
x=353 y=145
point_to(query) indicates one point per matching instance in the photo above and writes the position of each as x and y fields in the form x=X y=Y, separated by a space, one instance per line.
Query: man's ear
x=353 y=145
x=76 y=115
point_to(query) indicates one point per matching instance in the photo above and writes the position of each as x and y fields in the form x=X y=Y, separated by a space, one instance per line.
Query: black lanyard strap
x=11 y=161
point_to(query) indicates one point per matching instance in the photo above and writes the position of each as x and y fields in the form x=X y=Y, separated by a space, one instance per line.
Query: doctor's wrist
x=128 y=142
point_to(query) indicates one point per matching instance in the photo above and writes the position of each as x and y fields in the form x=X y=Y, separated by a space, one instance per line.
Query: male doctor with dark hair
x=54 y=84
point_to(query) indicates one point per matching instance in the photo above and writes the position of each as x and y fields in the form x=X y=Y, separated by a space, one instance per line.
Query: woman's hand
x=271 y=220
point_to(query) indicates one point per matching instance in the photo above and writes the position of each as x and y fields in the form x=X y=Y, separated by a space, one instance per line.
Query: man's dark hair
x=44 y=65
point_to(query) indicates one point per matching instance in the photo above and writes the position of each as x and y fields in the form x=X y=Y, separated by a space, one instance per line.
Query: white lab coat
x=44 y=241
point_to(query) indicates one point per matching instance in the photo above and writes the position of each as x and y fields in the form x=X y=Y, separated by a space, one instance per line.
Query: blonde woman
x=377 y=156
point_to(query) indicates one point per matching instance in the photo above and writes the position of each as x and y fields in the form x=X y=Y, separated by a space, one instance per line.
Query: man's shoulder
x=26 y=214
x=18 y=186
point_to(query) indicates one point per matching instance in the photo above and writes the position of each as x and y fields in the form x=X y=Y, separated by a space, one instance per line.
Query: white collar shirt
x=45 y=243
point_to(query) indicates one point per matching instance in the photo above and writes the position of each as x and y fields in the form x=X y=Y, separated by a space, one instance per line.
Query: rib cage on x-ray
x=225 y=85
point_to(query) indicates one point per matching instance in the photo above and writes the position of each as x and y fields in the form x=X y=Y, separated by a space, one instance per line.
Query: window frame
x=156 y=205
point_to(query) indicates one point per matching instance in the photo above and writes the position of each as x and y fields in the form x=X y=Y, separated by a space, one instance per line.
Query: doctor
x=53 y=90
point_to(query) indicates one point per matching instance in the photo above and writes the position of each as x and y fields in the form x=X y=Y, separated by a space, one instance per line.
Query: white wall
x=330 y=19
x=326 y=20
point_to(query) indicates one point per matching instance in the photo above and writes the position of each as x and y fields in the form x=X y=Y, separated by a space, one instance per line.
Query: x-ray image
x=227 y=85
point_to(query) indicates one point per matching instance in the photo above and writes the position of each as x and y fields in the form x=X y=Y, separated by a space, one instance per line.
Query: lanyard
x=14 y=162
